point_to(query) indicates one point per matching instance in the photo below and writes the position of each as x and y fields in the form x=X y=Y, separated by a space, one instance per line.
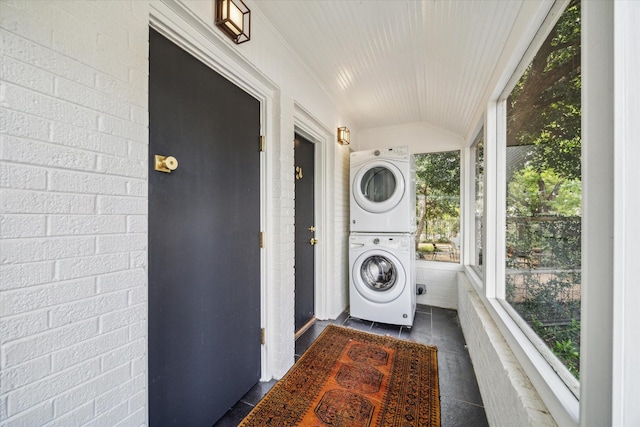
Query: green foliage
x=543 y=229
x=549 y=242
x=543 y=110
x=564 y=342
x=532 y=193
x=438 y=193
x=438 y=172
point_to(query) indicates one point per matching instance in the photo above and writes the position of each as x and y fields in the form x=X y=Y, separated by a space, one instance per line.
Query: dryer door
x=378 y=276
x=378 y=186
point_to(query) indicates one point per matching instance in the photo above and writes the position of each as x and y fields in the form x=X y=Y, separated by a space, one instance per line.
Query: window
x=438 y=206
x=479 y=225
x=543 y=193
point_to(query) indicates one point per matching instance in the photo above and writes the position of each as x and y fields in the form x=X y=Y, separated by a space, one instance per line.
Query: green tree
x=543 y=110
x=437 y=187
x=535 y=193
x=543 y=227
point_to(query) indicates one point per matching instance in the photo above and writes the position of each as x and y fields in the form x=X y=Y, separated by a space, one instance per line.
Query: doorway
x=305 y=233
x=204 y=227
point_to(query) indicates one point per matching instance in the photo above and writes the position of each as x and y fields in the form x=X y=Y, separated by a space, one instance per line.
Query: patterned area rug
x=349 y=378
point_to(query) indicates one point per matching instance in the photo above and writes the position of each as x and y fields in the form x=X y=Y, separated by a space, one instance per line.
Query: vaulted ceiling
x=387 y=63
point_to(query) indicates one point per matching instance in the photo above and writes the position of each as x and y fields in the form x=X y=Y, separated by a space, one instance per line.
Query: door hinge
x=262 y=239
x=263 y=336
x=263 y=144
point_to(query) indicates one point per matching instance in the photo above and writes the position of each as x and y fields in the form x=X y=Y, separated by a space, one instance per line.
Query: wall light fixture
x=233 y=17
x=344 y=136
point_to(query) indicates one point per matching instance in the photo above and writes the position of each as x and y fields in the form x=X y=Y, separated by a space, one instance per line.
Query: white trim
x=467 y=208
x=309 y=127
x=469 y=215
x=598 y=138
x=491 y=205
x=500 y=189
x=463 y=196
x=176 y=22
x=626 y=269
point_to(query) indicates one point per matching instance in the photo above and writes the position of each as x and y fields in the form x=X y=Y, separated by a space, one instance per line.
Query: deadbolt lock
x=312 y=229
x=313 y=241
x=166 y=163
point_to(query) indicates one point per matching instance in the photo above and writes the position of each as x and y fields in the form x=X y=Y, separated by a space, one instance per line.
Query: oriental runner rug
x=349 y=378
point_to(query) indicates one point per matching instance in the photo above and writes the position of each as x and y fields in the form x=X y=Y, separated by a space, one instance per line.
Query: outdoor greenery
x=564 y=341
x=543 y=110
x=437 y=197
x=543 y=234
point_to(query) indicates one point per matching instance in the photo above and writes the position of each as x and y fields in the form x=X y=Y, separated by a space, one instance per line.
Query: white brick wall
x=339 y=295
x=73 y=219
x=440 y=281
x=508 y=396
x=73 y=123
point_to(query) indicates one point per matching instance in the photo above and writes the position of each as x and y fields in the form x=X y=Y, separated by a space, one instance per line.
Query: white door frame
x=179 y=25
x=321 y=137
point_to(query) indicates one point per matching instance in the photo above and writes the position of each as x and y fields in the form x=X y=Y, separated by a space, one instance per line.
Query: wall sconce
x=233 y=17
x=344 y=136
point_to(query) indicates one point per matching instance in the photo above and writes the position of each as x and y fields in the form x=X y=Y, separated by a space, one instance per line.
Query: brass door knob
x=313 y=241
x=166 y=163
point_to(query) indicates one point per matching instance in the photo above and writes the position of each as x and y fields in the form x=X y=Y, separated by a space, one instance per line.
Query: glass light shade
x=233 y=17
x=344 y=136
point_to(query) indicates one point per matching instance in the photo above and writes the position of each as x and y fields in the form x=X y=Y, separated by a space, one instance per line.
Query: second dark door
x=304 y=232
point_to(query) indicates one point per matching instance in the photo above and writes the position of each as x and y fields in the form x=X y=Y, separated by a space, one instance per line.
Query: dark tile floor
x=460 y=401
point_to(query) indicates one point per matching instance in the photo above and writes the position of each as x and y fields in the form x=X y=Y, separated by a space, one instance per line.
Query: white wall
x=73 y=169
x=420 y=137
x=440 y=281
x=73 y=163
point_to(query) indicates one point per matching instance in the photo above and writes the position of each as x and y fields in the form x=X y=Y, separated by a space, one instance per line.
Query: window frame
x=472 y=253
x=561 y=400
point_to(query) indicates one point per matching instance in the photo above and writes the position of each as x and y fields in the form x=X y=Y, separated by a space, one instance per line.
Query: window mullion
x=491 y=205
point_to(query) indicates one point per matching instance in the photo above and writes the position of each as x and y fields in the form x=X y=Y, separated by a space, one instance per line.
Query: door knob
x=166 y=163
x=313 y=241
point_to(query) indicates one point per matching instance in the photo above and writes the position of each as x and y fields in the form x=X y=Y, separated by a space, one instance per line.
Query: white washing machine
x=382 y=286
x=383 y=191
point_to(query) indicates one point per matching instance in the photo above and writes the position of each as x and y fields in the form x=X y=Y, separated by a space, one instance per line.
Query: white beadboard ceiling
x=387 y=63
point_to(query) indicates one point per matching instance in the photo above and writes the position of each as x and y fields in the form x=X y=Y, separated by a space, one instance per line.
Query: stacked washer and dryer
x=381 y=243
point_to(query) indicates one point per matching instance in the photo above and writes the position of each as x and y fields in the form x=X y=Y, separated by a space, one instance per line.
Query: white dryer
x=383 y=191
x=382 y=278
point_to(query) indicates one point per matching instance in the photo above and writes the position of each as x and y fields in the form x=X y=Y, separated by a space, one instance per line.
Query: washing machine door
x=378 y=186
x=378 y=276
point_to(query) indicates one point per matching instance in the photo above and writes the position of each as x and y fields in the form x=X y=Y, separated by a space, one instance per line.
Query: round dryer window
x=378 y=186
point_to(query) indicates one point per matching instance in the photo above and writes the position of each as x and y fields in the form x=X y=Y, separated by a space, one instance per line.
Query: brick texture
x=507 y=393
x=73 y=168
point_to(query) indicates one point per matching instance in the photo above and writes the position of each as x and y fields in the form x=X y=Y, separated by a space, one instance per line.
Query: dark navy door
x=204 y=255
x=304 y=232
